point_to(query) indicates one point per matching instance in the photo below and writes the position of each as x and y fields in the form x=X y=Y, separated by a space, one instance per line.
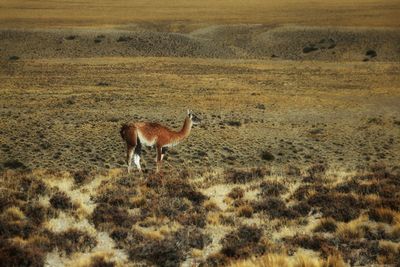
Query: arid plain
x=295 y=163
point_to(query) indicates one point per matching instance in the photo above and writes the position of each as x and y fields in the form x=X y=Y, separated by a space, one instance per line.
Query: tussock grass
x=166 y=219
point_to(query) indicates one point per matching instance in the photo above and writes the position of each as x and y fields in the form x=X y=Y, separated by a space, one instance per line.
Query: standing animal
x=153 y=134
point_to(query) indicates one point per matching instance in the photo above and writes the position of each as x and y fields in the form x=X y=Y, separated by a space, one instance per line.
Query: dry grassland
x=295 y=163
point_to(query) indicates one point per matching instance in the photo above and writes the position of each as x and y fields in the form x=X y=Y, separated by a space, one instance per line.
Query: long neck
x=185 y=131
x=187 y=126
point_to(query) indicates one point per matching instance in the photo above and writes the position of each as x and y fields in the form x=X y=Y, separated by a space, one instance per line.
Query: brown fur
x=154 y=134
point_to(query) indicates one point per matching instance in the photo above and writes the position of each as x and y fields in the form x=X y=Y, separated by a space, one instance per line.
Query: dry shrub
x=74 y=240
x=105 y=214
x=341 y=207
x=298 y=260
x=81 y=176
x=315 y=173
x=270 y=188
x=245 y=211
x=123 y=237
x=181 y=188
x=275 y=207
x=293 y=171
x=36 y=213
x=326 y=225
x=21 y=254
x=60 y=200
x=101 y=261
x=316 y=243
x=171 y=250
x=215 y=260
x=236 y=193
x=243 y=243
x=210 y=205
x=237 y=176
x=302 y=208
x=389 y=253
x=382 y=215
x=13 y=228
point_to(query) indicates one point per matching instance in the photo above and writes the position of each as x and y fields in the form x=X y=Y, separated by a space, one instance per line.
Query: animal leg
x=129 y=154
x=163 y=152
x=138 y=152
x=159 y=158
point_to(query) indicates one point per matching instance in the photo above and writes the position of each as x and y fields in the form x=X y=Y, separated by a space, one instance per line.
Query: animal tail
x=128 y=133
x=123 y=131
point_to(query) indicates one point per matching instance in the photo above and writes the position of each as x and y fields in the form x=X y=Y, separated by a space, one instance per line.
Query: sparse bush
x=60 y=200
x=293 y=171
x=316 y=243
x=266 y=155
x=124 y=39
x=215 y=260
x=13 y=58
x=272 y=189
x=71 y=37
x=74 y=240
x=309 y=48
x=371 y=53
x=236 y=193
x=243 y=243
x=182 y=188
x=166 y=252
x=14 y=164
x=81 y=176
x=101 y=261
x=341 y=207
x=244 y=176
x=20 y=254
x=326 y=225
x=316 y=171
x=381 y=215
x=233 y=123
x=105 y=214
x=245 y=211
x=275 y=208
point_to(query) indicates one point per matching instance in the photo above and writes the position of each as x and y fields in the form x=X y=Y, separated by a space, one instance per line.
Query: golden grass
x=184 y=15
x=298 y=260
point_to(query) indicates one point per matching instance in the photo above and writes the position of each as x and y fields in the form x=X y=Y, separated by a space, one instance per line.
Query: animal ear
x=188 y=111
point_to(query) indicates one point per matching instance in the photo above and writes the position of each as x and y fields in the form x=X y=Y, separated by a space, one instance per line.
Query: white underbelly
x=146 y=142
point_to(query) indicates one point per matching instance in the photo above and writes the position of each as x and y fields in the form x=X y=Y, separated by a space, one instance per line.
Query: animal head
x=195 y=120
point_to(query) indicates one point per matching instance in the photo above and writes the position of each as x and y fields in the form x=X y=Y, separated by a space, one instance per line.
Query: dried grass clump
x=272 y=189
x=245 y=211
x=170 y=251
x=181 y=188
x=236 y=193
x=327 y=225
x=315 y=242
x=81 y=176
x=243 y=243
x=20 y=253
x=105 y=215
x=341 y=207
x=238 y=176
x=382 y=215
x=74 y=240
x=60 y=200
x=275 y=207
x=101 y=261
x=389 y=253
x=315 y=173
x=298 y=260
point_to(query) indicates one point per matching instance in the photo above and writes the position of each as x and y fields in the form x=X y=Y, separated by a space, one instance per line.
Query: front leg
x=163 y=152
x=159 y=158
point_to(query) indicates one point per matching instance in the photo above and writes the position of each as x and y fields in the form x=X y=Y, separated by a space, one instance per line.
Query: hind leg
x=129 y=154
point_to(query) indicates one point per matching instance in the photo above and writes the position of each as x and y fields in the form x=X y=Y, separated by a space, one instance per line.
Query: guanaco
x=153 y=134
